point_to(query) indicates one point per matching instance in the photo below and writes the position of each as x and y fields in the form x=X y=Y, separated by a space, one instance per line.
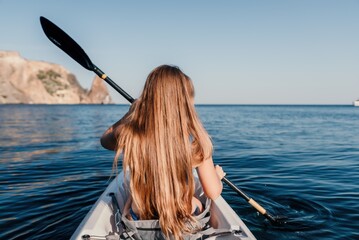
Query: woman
x=162 y=140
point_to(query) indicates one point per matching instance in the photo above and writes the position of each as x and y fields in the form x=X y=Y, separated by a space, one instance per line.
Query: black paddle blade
x=58 y=37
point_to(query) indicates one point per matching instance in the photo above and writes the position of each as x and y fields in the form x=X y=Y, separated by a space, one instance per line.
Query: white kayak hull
x=100 y=221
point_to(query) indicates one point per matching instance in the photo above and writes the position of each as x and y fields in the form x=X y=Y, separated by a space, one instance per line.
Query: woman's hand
x=220 y=172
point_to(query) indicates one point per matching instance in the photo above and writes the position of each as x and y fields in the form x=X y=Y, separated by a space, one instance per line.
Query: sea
x=301 y=163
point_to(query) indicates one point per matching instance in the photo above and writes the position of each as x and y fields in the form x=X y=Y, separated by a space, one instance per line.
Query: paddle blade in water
x=280 y=220
x=57 y=36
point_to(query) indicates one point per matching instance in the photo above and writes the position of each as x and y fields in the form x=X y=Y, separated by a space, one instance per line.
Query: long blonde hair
x=162 y=140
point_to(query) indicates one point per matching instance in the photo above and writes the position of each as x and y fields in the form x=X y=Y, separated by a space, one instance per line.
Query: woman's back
x=161 y=140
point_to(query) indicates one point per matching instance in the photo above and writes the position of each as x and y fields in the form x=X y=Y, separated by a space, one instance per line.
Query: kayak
x=100 y=221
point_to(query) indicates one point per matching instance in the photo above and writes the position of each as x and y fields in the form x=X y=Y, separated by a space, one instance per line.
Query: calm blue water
x=301 y=162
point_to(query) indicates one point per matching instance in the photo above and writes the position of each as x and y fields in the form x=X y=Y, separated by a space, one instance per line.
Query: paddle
x=69 y=46
x=251 y=201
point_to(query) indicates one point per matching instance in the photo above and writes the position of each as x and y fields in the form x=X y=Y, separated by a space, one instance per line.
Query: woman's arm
x=210 y=178
x=109 y=138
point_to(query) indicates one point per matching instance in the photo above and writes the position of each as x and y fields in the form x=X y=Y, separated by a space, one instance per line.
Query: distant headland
x=24 y=81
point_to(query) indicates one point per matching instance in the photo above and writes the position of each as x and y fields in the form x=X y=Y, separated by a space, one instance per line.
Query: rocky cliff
x=35 y=82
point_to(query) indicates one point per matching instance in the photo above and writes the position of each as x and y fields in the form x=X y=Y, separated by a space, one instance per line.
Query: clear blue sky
x=237 y=52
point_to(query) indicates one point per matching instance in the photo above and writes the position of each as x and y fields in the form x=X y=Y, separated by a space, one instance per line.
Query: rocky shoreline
x=24 y=81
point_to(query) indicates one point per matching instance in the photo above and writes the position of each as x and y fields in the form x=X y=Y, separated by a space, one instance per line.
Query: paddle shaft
x=103 y=76
x=69 y=46
x=251 y=201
